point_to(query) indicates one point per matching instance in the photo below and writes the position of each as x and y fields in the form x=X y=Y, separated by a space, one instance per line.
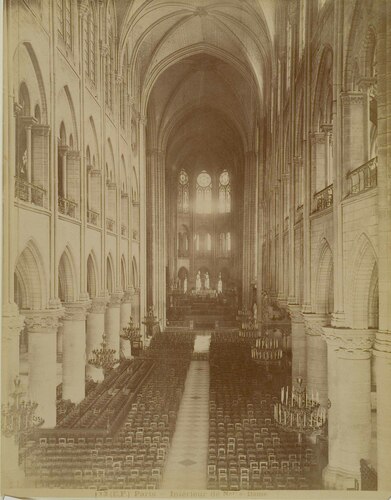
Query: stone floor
x=186 y=466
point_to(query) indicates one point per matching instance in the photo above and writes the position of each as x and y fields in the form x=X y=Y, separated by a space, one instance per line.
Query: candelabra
x=267 y=351
x=131 y=332
x=299 y=412
x=150 y=321
x=104 y=357
x=18 y=418
x=249 y=329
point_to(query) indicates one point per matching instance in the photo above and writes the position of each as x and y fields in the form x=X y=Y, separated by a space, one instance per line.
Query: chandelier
x=299 y=412
x=104 y=357
x=131 y=332
x=150 y=321
x=18 y=418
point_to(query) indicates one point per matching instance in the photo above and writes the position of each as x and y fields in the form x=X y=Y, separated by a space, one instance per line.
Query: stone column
x=42 y=329
x=327 y=129
x=316 y=356
x=125 y=314
x=112 y=322
x=353 y=405
x=332 y=416
x=382 y=351
x=60 y=342
x=74 y=352
x=143 y=217
x=12 y=325
x=249 y=227
x=136 y=306
x=95 y=330
x=156 y=237
x=298 y=339
x=64 y=184
x=292 y=299
x=29 y=151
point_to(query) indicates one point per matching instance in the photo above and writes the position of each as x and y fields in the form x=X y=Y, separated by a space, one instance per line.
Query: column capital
x=115 y=299
x=28 y=121
x=41 y=129
x=98 y=305
x=12 y=325
x=314 y=323
x=76 y=311
x=44 y=321
x=317 y=138
x=127 y=296
x=326 y=128
x=73 y=155
x=349 y=343
x=348 y=98
x=95 y=172
x=63 y=149
x=365 y=83
x=382 y=345
x=295 y=313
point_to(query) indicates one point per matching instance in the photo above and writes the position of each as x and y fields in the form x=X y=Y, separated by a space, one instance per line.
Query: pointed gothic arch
x=110 y=276
x=324 y=296
x=67 y=281
x=29 y=277
x=363 y=278
x=92 y=276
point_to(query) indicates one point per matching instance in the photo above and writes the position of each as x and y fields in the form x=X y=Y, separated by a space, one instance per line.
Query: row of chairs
x=246 y=449
x=133 y=457
x=103 y=402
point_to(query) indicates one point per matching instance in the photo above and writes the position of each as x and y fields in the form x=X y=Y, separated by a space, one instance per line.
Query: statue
x=220 y=284
x=207 y=284
x=185 y=285
x=198 y=282
x=255 y=312
x=23 y=166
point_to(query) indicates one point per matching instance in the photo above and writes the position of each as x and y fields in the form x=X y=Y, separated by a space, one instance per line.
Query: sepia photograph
x=196 y=249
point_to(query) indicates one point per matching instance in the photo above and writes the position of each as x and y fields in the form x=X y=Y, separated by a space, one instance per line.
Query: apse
x=200 y=126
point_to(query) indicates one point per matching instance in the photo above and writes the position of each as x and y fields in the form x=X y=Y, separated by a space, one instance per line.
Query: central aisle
x=186 y=466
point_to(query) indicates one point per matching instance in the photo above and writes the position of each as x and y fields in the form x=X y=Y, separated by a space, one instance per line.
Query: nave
x=183 y=415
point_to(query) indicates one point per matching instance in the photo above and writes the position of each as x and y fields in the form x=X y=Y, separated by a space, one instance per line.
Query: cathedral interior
x=196 y=208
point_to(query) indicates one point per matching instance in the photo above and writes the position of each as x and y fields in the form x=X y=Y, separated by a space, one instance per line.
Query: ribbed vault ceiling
x=198 y=69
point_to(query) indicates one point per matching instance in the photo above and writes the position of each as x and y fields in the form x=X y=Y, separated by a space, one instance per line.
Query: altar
x=211 y=294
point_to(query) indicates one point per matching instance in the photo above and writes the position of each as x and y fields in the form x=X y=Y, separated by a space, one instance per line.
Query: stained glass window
x=224 y=193
x=183 y=192
x=90 y=44
x=204 y=193
x=64 y=8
